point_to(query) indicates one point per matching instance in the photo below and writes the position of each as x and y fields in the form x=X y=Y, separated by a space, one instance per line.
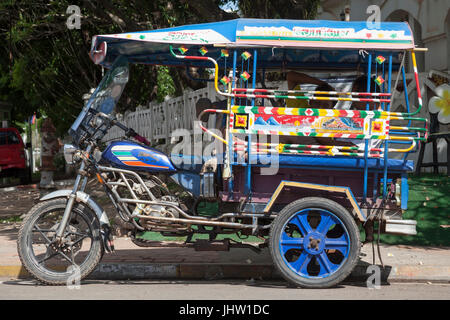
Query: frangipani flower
x=441 y=103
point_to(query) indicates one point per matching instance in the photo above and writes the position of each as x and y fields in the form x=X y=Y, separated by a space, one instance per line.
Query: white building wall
x=430 y=14
x=436 y=57
x=430 y=23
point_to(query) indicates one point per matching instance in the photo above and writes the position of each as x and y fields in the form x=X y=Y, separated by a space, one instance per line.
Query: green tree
x=280 y=9
x=45 y=67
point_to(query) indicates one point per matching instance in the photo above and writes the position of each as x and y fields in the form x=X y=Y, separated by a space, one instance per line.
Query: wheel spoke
x=81 y=239
x=84 y=235
x=293 y=243
x=290 y=243
x=42 y=233
x=326 y=266
x=301 y=263
x=325 y=223
x=43 y=230
x=47 y=257
x=301 y=221
x=340 y=244
x=65 y=257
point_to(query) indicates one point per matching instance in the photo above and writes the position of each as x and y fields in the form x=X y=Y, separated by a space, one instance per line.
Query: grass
x=156 y=236
x=11 y=219
x=429 y=200
x=204 y=209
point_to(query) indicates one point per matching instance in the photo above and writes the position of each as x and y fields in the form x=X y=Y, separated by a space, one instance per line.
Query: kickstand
x=373 y=252
x=378 y=239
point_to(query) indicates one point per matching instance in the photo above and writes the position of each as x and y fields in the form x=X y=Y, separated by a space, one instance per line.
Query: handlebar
x=129 y=132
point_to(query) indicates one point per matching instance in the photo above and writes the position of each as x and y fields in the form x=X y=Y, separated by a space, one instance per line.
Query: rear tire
x=314 y=243
x=55 y=265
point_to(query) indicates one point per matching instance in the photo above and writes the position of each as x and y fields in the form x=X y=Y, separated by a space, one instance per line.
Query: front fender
x=105 y=228
x=81 y=197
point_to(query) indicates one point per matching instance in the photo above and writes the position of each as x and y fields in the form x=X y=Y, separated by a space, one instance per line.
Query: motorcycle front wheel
x=62 y=262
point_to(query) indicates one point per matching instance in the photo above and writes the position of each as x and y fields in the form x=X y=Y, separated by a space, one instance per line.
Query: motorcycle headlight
x=69 y=153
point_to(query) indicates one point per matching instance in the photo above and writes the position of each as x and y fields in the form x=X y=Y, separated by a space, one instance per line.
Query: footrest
x=400 y=227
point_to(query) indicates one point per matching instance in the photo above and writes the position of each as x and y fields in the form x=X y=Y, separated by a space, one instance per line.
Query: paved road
x=220 y=290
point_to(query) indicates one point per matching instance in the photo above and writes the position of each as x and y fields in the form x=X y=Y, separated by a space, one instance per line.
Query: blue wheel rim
x=314 y=243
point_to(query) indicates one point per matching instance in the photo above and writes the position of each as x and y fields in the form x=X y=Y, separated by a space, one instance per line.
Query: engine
x=130 y=186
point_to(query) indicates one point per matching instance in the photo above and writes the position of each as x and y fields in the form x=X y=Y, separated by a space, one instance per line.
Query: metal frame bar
x=366 y=142
x=230 y=135
x=188 y=218
x=386 y=143
x=249 y=136
x=313 y=186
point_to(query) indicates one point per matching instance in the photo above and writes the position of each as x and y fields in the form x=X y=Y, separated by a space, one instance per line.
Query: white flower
x=441 y=103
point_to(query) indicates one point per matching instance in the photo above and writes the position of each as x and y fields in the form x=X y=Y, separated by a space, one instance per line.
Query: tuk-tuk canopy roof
x=153 y=46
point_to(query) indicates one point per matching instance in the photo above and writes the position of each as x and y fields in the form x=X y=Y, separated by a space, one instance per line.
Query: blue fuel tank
x=133 y=156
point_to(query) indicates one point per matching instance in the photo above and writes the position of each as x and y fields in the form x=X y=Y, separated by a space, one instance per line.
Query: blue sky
x=230 y=6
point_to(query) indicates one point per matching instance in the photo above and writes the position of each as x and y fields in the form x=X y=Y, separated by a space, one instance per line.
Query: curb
x=18 y=272
x=216 y=271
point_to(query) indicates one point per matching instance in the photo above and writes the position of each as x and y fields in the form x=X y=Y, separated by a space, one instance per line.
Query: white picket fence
x=156 y=121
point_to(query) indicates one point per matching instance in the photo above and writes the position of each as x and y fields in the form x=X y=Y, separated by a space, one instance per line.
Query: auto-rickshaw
x=308 y=179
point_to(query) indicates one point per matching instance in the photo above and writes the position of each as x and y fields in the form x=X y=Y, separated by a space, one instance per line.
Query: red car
x=13 y=159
